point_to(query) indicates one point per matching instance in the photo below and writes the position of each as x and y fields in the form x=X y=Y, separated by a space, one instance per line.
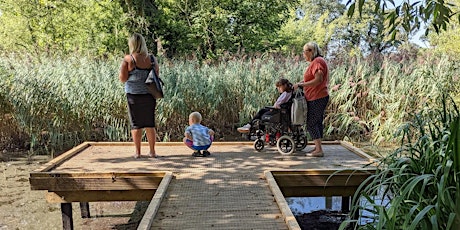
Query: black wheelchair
x=276 y=129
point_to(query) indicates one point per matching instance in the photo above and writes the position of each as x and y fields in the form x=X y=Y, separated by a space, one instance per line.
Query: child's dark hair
x=284 y=81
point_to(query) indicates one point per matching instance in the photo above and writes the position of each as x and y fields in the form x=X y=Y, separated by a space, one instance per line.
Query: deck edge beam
x=155 y=203
x=289 y=218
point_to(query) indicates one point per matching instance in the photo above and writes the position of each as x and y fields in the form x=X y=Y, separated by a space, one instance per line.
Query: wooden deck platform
x=227 y=190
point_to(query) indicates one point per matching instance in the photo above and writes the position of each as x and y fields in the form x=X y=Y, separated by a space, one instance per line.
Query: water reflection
x=301 y=205
x=368 y=211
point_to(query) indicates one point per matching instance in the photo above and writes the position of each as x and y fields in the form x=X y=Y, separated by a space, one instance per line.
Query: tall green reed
x=60 y=102
x=369 y=99
x=227 y=94
x=419 y=182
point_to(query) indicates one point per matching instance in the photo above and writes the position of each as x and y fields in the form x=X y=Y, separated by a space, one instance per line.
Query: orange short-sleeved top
x=319 y=91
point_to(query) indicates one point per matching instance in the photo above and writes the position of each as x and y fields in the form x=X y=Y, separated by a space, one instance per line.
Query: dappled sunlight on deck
x=226 y=190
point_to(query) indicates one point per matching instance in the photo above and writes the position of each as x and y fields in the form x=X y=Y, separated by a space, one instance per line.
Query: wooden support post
x=345 y=204
x=328 y=202
x=67 y=220
x=84 y=209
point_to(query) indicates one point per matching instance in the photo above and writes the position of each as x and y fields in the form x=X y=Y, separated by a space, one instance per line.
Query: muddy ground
x=22 y=208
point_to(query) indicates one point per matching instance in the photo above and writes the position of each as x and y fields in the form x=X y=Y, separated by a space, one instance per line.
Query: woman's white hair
x=316 y=51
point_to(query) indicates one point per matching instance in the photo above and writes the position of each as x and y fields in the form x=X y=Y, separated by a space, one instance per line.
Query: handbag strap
x=298 y=93
x=152 y=60
x=134 y=61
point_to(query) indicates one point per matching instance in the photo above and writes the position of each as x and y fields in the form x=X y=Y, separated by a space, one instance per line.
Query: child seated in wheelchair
x=285 y=89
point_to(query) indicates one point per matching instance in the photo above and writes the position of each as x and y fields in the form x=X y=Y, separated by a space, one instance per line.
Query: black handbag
x=153 y=82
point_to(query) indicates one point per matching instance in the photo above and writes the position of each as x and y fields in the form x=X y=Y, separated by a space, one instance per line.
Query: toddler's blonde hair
x=196 y=117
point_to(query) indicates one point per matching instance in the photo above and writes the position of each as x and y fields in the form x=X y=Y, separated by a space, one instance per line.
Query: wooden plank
x=320 y=182
x=307 y=191
x=323 y=171
x=357 y=151
x=289 y=218
x=93 y=196
x=119 y=174
x=330 y=142
x=63 y=157
x=91 y=184
x=293 y=180
x=94 y=181
x=154 y=205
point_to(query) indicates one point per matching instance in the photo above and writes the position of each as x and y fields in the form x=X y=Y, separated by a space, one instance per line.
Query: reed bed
x=370 y=100
x=57 y=103
x=416 y=187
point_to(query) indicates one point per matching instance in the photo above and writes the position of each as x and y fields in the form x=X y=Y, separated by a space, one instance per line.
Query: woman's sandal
x=137 y=156
x=311 y=150
x=320 y=154
x=153 y=155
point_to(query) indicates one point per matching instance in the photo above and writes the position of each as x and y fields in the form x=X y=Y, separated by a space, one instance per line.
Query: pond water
x=304 y=205
x=301 y=205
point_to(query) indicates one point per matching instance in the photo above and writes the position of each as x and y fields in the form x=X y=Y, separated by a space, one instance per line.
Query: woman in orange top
x=315 y=81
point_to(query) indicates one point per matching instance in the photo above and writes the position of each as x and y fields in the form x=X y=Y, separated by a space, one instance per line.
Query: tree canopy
x=90 y=27
x=207 y=29
x=448 y=41
x=411 y=15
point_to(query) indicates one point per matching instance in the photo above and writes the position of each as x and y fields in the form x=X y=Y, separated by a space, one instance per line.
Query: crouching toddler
x=197 y=136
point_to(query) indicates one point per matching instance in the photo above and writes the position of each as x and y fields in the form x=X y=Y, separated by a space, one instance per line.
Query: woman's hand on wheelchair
x=297 y=86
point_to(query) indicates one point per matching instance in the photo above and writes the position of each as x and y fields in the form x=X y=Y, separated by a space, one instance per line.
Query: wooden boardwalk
x=224 y=191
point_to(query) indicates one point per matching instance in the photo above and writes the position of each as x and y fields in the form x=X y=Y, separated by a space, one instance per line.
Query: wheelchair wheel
x=285 y=145
x=300 y=142
x=259 y=145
